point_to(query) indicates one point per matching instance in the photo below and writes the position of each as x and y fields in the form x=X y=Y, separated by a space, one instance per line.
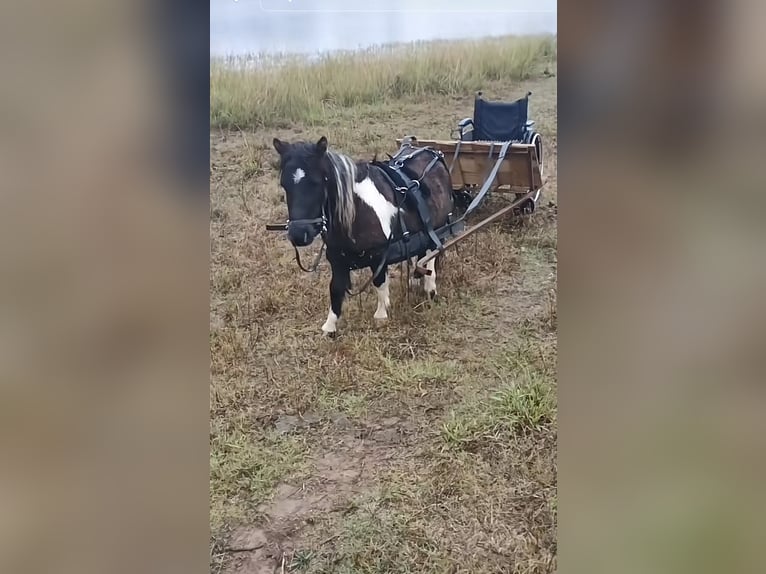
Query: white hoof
x=330 y=326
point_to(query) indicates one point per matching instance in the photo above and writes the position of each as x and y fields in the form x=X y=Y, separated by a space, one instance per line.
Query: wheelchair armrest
x=465 y=127
x=529 y=123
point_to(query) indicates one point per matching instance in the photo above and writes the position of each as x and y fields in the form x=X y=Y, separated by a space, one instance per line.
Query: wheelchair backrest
x=499 y=121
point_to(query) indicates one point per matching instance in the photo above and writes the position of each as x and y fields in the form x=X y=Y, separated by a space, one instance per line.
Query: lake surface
x=242 y=27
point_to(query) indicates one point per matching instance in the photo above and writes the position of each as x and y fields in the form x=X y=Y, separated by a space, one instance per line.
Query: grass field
x=426 y=444
x=285 y=89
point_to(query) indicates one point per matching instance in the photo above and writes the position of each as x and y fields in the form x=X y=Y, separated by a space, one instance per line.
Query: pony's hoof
x=433 y=295
x=329 y=334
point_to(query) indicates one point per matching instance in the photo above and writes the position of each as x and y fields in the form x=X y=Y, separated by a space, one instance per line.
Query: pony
x=360 y=212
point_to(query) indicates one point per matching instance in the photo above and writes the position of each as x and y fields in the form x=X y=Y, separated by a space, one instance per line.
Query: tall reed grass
x=276 y=91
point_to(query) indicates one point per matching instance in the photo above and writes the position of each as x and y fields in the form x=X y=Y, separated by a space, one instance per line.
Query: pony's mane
x=344 y=173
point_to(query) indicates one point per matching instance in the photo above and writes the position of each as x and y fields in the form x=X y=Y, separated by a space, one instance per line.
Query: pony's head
x=319 y=185
x=304 y=179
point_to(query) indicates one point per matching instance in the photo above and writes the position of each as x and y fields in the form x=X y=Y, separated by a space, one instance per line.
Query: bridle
x=315 y=222
x=323 y=220
x=323 y=233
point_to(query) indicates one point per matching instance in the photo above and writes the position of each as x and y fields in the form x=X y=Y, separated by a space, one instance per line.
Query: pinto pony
x=369 y=214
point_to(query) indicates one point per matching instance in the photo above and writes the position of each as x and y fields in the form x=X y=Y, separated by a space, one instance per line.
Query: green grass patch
x=525 y=400
x=420 y=372
x=244 y=468
x=353 y=405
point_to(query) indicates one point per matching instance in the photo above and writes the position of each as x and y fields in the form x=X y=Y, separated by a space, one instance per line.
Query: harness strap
x=424 y=214
x=454 y=158
x=489 y=181
x=415 y=151
x=414 y=190
x=314 y=221
x=381 y=265
x=400 y=216
x=437 y=156
x=397 y=188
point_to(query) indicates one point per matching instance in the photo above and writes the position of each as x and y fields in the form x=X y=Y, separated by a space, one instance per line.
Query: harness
x=412 y=189
x=409 y=189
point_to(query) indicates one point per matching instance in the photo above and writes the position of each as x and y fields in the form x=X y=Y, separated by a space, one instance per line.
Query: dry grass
x=427 y=444
x=278 y=92
x=480 y=497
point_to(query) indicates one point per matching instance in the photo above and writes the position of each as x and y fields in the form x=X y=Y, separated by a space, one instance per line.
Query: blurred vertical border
x=661 y=276
x=181 y=31
x=104 y=352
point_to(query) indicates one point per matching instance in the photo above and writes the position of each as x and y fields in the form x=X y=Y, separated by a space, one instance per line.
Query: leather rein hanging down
x=323 y=233
x=317 y=260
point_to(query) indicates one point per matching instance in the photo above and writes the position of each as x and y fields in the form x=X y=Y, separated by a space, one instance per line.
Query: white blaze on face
x=330 y=326
x=298 y=175
x=370 y=195
x=383 y=301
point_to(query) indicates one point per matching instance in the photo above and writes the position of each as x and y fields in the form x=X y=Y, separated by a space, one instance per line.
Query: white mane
x=344 y=170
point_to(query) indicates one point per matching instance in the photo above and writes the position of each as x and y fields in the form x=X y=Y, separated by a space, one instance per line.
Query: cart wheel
x=526 y=208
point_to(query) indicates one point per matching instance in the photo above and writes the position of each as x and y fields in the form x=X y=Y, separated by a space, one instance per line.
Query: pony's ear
x=280 y=146
x=322 y=146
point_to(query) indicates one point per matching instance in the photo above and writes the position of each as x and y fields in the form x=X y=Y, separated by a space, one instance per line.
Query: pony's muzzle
x=302 y=234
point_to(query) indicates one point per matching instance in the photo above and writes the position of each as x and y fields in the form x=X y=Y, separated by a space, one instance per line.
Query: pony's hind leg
x=414 y=279
x=429 y=281
x=381 y=284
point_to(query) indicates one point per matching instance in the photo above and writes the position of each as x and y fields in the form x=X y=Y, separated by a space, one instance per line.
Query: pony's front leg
x=381 y=286
x=338 y=285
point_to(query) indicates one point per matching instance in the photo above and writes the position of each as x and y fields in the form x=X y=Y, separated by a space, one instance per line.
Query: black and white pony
x=358 y=210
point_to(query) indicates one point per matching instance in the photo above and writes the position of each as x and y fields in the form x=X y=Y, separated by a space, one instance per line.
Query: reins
x=316 y=221
x=317 y=260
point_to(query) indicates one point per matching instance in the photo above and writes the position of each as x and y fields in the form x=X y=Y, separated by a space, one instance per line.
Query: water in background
x=244 y=27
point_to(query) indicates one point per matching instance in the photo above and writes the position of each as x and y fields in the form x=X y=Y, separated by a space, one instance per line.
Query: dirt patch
x=343 y=471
